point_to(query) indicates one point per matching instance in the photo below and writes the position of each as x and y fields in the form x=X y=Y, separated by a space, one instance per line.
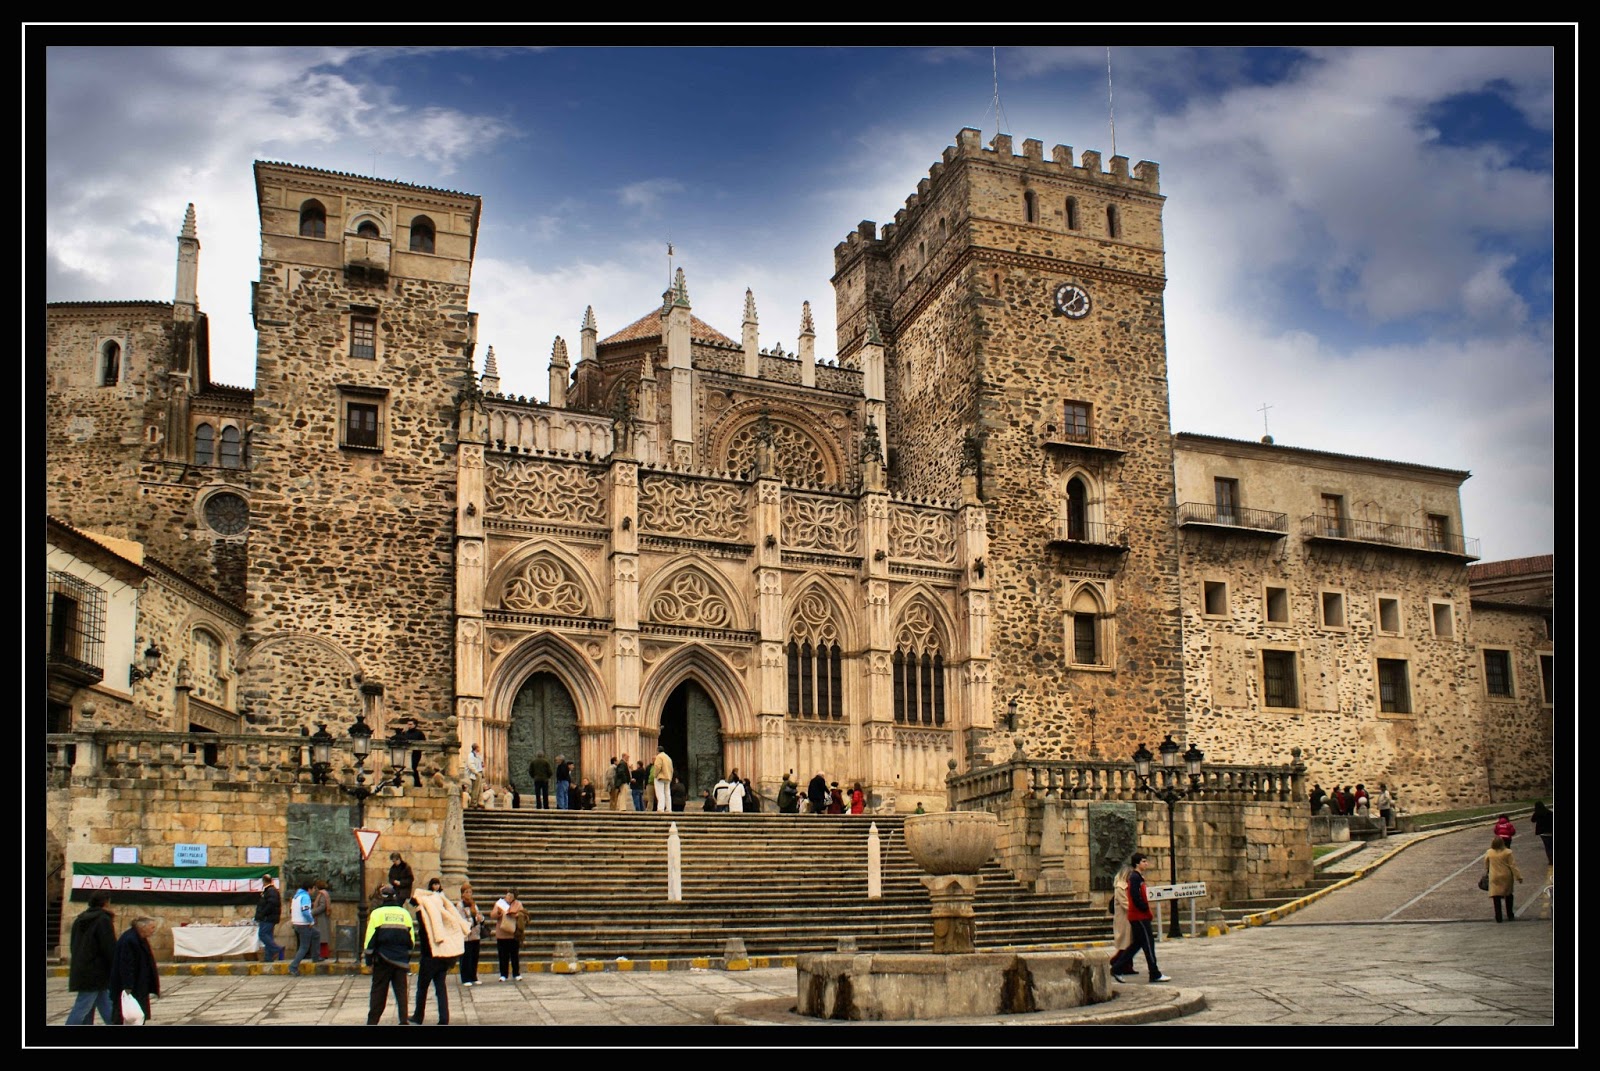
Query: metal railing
x=1094 y=533
x=1318 y=526
x=1091 y=436
x=1232 y=516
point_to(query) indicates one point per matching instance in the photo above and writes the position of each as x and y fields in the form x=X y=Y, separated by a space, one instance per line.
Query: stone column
x=625 y=667
x=771 y=699
x=953 y=914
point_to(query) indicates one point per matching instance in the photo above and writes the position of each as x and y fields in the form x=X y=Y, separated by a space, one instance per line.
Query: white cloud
x=647 y=194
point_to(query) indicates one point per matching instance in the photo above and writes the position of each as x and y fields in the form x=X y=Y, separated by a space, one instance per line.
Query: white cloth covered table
x=197 y=942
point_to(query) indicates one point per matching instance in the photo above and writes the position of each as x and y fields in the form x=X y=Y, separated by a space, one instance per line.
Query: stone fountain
x=955 y=979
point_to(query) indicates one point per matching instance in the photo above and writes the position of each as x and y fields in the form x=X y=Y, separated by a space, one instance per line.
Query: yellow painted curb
x=701 y=962
x=660 y=965
x=736 y=965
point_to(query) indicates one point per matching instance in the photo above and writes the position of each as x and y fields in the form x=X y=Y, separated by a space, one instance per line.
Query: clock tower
x=1020 y=302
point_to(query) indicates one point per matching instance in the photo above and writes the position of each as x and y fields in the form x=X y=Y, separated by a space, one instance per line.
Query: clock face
x=1072 y=301
x=227 y=513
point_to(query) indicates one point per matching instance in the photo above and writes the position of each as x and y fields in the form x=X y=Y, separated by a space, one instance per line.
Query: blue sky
x=1362 y=236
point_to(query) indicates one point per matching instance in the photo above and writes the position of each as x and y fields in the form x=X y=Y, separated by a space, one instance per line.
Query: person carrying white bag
x=134 y=978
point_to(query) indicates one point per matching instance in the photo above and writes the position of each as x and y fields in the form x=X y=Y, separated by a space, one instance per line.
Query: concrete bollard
x=674 y=866
x=734 y=956
x=565 y=961
x=874 y=864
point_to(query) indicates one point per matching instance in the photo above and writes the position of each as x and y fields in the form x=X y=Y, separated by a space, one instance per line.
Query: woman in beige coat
x=1121 y=932
x=1502 y=868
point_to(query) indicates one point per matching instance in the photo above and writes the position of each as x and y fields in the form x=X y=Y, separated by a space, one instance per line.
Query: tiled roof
x=1539 y=563
x=1180 y=436
x=649 y=326
x=364 y=178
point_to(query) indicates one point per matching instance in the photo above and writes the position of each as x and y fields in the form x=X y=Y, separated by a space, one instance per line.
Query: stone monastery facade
x=973 y=523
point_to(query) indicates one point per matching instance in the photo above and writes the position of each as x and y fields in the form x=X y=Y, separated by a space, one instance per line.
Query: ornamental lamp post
x=1170 y=792
x=360 y=748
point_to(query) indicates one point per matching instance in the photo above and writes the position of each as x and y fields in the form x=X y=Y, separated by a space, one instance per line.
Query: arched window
x=1030 y=206
x=902 y=276
x=368 y=229
x=1088 y=629
x=1072 y=213
x=209 y=667
x=1113 y=222
x=228 y=455
x=815 y=661
x=110 y=364
x=1077 y=509
x=204 y=438
x=918 y=665
x=422 y=235
x=313 y=220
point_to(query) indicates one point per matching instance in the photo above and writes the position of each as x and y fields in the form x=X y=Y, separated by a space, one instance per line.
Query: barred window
x=1278 y=679
x=918 y=667
x=1497 y=673
x=76 y=621
x=204 y=444
x=1394 y=686
x=363 y=337
x=815 y=660
x=313 y=220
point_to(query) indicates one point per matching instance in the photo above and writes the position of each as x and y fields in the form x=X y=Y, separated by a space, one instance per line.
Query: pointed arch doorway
x=543 y=719
x=691 y=733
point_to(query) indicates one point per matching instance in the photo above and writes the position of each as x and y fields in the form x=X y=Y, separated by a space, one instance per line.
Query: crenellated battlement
x=1144 y=177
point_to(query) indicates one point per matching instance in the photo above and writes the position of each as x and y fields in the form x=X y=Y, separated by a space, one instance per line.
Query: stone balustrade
x=232 y=758
x=988 y=786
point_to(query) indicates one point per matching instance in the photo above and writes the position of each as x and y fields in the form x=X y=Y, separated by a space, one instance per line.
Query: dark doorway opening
x=691 y=733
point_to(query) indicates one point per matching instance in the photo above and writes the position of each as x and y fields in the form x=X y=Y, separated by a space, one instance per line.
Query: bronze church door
x=691 y=733
x=543 y=718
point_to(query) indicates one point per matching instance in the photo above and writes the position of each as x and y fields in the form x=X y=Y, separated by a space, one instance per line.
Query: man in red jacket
x=1139 y=920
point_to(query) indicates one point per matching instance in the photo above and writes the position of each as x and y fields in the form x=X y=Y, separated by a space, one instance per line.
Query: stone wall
x=90 y=816
x=1519 y=729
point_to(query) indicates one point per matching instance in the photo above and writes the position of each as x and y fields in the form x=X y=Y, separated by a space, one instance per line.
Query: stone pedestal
x=953 y=916
x=889 y=987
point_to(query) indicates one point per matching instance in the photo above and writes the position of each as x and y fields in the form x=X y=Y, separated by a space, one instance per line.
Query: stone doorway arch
x=544 y=718
x=691 y=733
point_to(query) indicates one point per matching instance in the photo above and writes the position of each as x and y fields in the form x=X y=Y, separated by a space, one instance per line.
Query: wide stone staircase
x=1235 y=911
x=785 y=884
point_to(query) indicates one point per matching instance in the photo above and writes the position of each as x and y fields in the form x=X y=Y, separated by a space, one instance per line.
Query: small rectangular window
x=1332 y=609
x=1547 y=677
x=1394 y=686
x=1216 y=598
x=1227 y=497
x=1497 y=673
x=1085 y=648
x=1438 y=532
x=1278 y=679
x=362 y=428
x=1444 y=621
x=1388 y=614
x=1075 y=428
x=363 y=337
x=1331 y=517
x=1278 y=605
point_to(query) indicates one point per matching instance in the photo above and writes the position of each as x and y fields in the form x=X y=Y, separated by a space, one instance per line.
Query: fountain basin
x=893 y=987
x=952 y=842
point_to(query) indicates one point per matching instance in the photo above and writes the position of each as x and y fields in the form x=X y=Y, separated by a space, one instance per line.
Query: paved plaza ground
x=1407 y=942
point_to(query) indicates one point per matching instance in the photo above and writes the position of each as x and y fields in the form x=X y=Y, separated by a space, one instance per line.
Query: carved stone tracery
x=543 y=585
x=922 y=535
x=814 y=523
x=524 y=490
x=690 y=599
x=691 y=508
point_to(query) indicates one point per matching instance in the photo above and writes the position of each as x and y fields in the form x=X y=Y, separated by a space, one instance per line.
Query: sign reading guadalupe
x=131 y=883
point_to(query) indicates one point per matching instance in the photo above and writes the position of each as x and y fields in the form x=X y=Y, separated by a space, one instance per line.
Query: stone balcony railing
x=248 y=758
x=988 y=787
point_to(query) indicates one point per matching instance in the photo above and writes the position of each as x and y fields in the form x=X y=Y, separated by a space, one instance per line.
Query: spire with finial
x=489 y=382
x=752 y=345
x=588 y=319
x=558 y=372
x=680 y=290
x=188 y=223
x=808 y=347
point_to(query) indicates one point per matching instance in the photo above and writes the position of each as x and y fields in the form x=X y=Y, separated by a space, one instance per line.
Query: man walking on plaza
x=390 y=935
x=268 y=911
x=93 y=943
x=305 y=927
x=1144 y=939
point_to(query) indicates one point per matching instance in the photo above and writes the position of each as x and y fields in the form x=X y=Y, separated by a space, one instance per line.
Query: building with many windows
x=958 y=528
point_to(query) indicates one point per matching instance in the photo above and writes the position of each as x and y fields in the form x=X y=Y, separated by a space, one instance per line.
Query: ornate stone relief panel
x=691 y=599
x=812 y=620
x=813 y=522
x=529 y=490
x=795 y=454
x=916 y=631
x=692 y=508
x=920 y=534
x=543 y=585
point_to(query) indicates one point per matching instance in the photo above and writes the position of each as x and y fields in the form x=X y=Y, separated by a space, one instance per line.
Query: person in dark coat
x=788 y=796
x=677 y=793
x=817 y=793
x=133 y=968
x=413 y=731
x=93 y=946
x=401 y=877
x=1542 y=822
x=1317 y=796
x=269 y=909
x=540 y=770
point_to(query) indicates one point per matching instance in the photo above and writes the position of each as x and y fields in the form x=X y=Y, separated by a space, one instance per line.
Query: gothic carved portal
x=543 y=719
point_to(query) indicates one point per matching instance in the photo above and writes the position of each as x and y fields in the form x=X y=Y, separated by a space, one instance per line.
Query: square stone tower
x=1020 y=302
x=364 y=345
